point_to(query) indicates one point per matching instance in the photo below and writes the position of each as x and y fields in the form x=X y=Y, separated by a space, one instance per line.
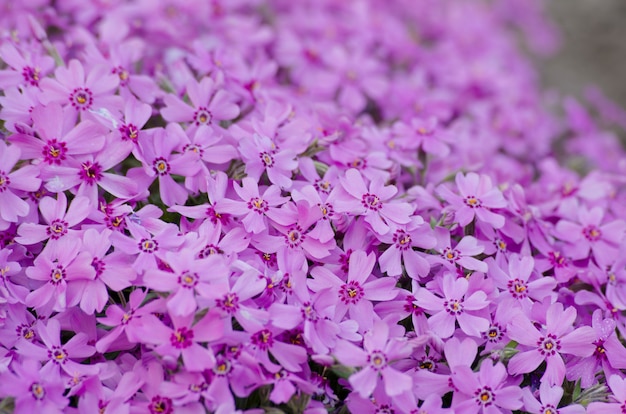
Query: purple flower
x=555 y=339
x=486 y=391
x=549 y=400
x=374 y=203
x=22 y=179
x=376 y=358
x=455 y=305
x=477 y=198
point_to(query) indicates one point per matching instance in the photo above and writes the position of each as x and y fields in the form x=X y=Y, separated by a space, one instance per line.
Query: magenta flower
x=485 y=391
x=618 y=400
x=260 y=154
x=549 y=399
x=187 y=277
x=477 y=198
x=57 y=141
x=378 y=353
x=59 y=222
x=21 y=179
x=183 y=339
x=374 y=203
x=59 y=356
x=156 y=154
x=590 y=234
x=81 y=92
x=460 y=255
x=357 y=293
x=25 y=69
x=34 y=391
x=400 y=251
x=421 y=133
x=58 y=269
x=557 y=338
x=253 y=206
x=455 y=305
x=209 y=104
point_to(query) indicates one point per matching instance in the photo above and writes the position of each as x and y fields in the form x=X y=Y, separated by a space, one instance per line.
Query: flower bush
x=303 y=207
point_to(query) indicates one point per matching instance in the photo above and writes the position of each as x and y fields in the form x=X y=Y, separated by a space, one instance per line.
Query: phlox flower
x=486 y=391
x=548 y=401
x=402 y=239
x=58 y=269
x=24 y=178
x=260 y=154
x=358 y=291
x=477 y=198
x=209 y=104
x=81 y=92
x=421 y=133
x=374 y=203
x=618 y=399
x=159 y=161
x=379 y=351
x=59 y=356
x=34 y=391
x=26 y=66
x=555 y=339
x=182 y=339
x=455 y=305
x=460 y=255
x=60 y=222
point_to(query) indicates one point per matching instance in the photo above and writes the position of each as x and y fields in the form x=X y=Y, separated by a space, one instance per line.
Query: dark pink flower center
x=129 y=132
x=377 y=360
x=194 y=148
x=411 y=307
x=453 y=307
x=484 y=396
x=98 y=266
x=500 y=244
x=148 y=245
x=90 y=172
x=181 y=338
x=327 y=210
x=57 y=229
x=267 y=159
x=402 y=240
x=549 y=409
x=81 y=98
x=600 y=351
x=557 y=259
x=25 y=331
x=57 y=355
x=202 y=116
x=222 y=367
x=494 y=334
x=122 y=74
x=31 y=75
x=323 y=186
x=54 y=152
x=427 y=363
x=161 y=405
x=294 y=237
x=548 y=345
x=518 y=288
x=358 y=163
x=188 y=280
x=258 y=204
x=371 y=202
x=57 y=275
x=263 y=339
x=472 y=201
x=450 y=255
x=308 y=312
x=160 y=166
x=592 y=233
x=208 y=250
x=351 y=292
x=229 y=303
x=4 y=181
x=37 y=391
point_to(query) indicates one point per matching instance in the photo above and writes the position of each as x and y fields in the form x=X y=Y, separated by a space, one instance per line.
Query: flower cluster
x=361 y=206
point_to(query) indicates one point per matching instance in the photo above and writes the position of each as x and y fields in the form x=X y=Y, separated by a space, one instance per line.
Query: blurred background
x=593 y=49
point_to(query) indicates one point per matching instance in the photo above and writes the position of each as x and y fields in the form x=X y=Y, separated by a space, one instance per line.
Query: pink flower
x=376 y=358
x=21 y=179
x=374 y=203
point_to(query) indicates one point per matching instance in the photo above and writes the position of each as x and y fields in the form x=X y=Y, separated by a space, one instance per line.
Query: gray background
x=593 y=48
